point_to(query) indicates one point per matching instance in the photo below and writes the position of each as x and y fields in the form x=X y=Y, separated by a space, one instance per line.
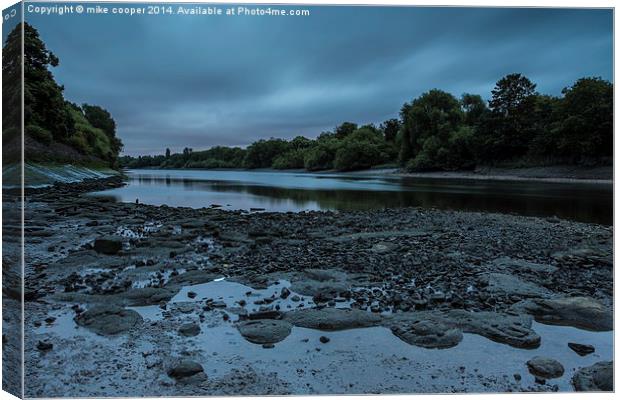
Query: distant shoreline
x=553 y=174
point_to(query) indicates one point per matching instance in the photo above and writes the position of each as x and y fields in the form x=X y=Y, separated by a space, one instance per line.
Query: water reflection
x=281 y=191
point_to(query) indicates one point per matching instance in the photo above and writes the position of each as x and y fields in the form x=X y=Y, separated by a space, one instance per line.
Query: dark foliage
x=437 y=131
x=48 y=117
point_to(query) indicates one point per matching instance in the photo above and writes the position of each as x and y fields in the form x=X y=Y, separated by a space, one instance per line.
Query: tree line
x=49 y=119
x=437 y=131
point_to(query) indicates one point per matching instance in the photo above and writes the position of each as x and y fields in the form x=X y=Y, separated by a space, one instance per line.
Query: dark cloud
x=176 y=81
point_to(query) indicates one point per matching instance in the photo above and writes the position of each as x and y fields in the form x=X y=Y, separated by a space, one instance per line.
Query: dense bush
x=320 y=157
x=262 y=153
x=355 y=155
x=42 y=135
x=292 y=159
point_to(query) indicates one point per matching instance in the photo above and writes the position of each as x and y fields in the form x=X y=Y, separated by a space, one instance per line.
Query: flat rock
x=108 y=245
x=332 y=319
x=327 y=290
x=146 y=296
x=429 y=334
x=513 y=264
x=595 y=378
x=545 y=367
x=506 y=284
x=579 y=312
x=264 y=331
x=514 y=330
x=108 y=319
x=194 y=277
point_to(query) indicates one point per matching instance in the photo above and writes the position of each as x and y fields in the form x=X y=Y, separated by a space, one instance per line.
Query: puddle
x=362 y=360
x=373 y=359
x=65 y=327
x=367 y=360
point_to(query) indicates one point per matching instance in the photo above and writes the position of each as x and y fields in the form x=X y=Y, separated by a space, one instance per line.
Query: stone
x=581 y=349
x=383 y=247
x=109 y=245
x=324 y=339
x=284 y=293
x=545 y=367
x=332 y=319
x=595 y=378
x=44 y=346
x=108 y=319
x=146 y=296
x=189 y=329
x=184 y=369
x=262 y=331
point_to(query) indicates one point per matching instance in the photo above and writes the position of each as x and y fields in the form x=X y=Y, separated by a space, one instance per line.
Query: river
x=302 y=191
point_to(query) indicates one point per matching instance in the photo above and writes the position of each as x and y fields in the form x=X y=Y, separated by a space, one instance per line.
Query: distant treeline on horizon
x=437 y=131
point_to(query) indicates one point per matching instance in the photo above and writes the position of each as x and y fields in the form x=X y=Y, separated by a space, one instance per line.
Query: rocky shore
x=126 y=290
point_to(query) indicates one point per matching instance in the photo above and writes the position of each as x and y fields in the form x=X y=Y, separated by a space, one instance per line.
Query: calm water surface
x=299 y=191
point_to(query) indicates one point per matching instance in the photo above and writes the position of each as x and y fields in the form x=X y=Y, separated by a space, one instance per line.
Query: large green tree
x=11 y=84
x=434 y=114
x=390 y=129
x=44 y=104
x=508 y=129
x=345 y=129
x=585 y=127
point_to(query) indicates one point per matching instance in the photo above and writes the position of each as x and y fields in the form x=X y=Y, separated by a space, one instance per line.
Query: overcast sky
x=197 y=81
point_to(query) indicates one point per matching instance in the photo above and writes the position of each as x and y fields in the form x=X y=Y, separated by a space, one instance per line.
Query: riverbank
x=552 y=174
x=135 y=293
x=36 y=175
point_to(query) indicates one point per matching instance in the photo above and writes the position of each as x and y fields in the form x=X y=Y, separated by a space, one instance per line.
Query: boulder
x=189 y=329
x=264 y=331
x=545 y=367
x=595 y=378
x=109 y=245
x=108 y=319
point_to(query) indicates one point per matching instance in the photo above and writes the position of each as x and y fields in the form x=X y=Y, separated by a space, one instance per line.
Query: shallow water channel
x=359 y=360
